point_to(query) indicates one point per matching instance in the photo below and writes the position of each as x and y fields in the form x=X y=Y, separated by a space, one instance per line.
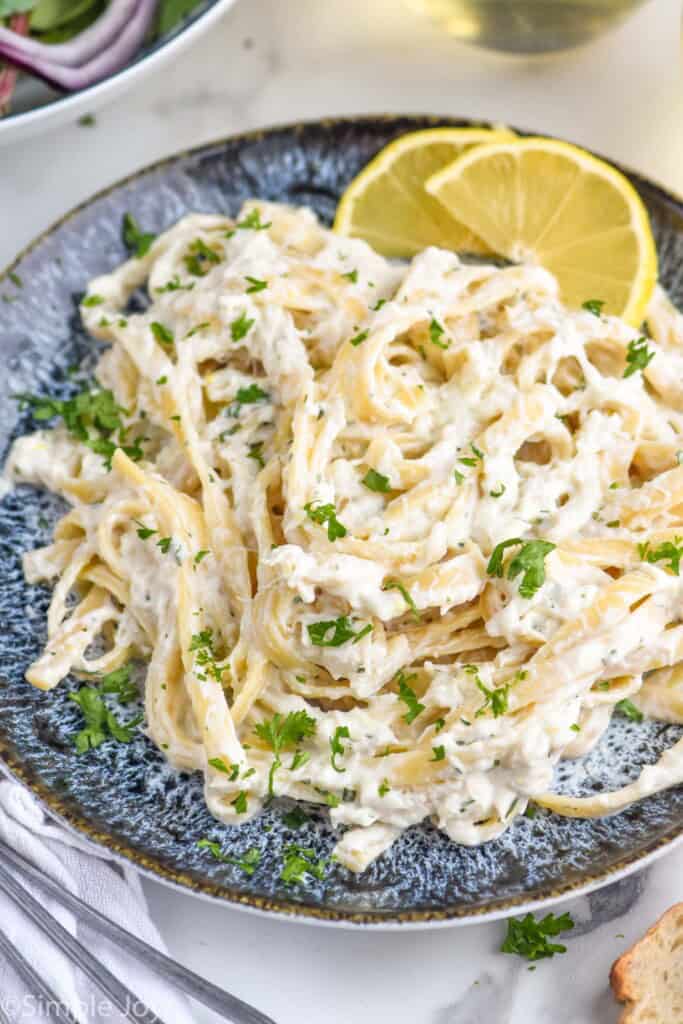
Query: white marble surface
x=282 y=60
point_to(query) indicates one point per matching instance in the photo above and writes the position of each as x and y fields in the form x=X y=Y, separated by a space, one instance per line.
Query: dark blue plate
x=125 y=798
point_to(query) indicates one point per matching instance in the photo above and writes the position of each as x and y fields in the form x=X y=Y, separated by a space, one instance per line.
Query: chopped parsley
x=529 y=560
x=397 y=585
x=255 y=284
x=248 y=862
x=351 y=276
x=240 y=327
x=255 y=452
x=383 y=787
x=174 y=285
x=337 y=747
x=160 y=381
x=627 y=708
x=638 y=356
x=89 y=411
x=593 y=306
x=472 y=460
x=92 y=300
x=299 y=862
x=498 y=492
x=439 y=724
x=165 y=544
x=15 y=279
x=528 y=937
x=495 y=699
x=359 y=338
x=407 y=694
x=240 y=802
x=248 y=396
x=144 y=532
x=199 y=257
x=378 y=305
x=252 y=222
x=100 y=722
x=118 y=682
x=436 y=333
x=280 y=733
x=137 y=242
x=669 y=550
x=326 y=514
x=375 y=481
x=197 y=328
x=439 y=753
x=219 y=764
x=459 y=477
x=201 y=555
x=318 y=632
x=202 y=646
x=162 y=334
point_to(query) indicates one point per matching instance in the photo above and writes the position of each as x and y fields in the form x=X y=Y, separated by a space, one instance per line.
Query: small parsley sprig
x=403 y=591
x=495 y=699
x=407 y=694
x=337 y=748
x=326 y=514
x=319 y=632
x=91 y=417
x=627 y=708
x=202 y=646
x=667 y=550
x=248 y=862
x=282 y=732
x=100 y=721
x=527 y=937
x=375 y=481
x=137 y=241
x=638 y=356
x=200 y=257
x=299 y=862
x=529 y=560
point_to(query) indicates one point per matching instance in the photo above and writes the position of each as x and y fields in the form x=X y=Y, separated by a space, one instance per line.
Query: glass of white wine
x=526 y=26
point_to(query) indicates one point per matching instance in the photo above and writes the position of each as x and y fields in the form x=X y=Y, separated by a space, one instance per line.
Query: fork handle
x=227 y=1005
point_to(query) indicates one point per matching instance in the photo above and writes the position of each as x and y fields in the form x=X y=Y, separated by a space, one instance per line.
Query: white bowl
x=68 y=106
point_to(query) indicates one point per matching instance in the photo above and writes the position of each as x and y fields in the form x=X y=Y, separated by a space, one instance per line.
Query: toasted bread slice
x=649 y=976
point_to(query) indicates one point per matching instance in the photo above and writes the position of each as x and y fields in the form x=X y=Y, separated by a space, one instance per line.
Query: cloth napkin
x=112 y=889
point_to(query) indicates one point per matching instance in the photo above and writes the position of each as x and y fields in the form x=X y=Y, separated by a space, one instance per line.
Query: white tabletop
x=274 y=61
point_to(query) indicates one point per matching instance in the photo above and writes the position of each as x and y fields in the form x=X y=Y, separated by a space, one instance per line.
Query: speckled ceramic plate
x=124 y=797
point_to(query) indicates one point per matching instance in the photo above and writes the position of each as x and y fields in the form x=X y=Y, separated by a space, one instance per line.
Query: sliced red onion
x=116 y=54
x=79 y=50
x=19 y=24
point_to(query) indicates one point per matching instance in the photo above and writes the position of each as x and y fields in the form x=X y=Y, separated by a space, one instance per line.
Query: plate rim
x=275 y=907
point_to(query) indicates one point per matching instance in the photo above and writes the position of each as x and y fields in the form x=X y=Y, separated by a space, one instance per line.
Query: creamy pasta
x=391 y=538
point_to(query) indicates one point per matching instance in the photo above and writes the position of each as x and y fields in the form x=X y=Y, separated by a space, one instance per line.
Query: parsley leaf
x=100 y=722
x=436 y=333
x=280 y=733
x=202 y=646
x=498 y=492
x=119 y=683
x=495 y=699
x=593 y=306
x=336 y=745
x=295 y=818
x=529 y=560
x=375 y=481
x=250 y=395
x=351 y=276
x=174 y=285
x=199 y=257
x=137 y=242
x=161 y=333
x=219 y=764
x=240 y=327
x=638 y=356
x=248 y=862
x=359 y=338
x=397 y=585
x=255 y=452
x=439 y=753
x=472 y=460
x=299 y=862
x=409 y=697
x=318 y=632
x=252 y=222
x=92 y=300
x=627 y=707
x=529 y=938
x=240 y=802
x=671 y=550
x=255 y=284
x=326 y=514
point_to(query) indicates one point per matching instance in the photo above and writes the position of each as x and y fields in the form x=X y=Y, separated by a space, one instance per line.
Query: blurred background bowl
x=36 y=105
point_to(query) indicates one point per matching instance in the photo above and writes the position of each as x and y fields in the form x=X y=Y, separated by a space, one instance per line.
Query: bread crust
x=633 y=970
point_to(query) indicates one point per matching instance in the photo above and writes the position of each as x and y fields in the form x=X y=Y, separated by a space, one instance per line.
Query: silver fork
x=228 y=1006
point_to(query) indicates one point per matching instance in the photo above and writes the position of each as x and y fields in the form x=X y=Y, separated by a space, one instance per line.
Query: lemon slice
x=547 y=202
x=386 y=204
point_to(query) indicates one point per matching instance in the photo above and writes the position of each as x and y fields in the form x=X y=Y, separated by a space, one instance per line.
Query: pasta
x=390 y=538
